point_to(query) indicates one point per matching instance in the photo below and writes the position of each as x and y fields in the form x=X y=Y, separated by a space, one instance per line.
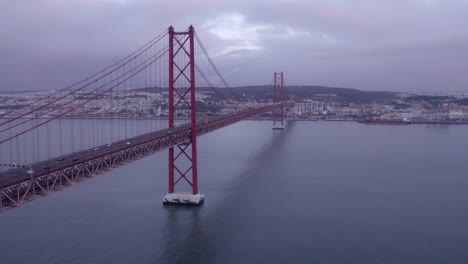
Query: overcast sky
x=400 y=45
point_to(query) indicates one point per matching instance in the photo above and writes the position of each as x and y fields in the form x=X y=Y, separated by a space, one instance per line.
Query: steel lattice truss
x=22 y=188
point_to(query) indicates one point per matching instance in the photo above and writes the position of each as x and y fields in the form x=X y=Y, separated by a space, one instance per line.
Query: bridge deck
x=69 y=160
x=175 y=135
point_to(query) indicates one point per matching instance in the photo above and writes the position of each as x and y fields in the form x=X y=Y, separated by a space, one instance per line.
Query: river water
x=318 y=192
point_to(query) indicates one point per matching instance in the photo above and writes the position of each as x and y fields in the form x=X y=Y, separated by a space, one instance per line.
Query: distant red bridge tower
x=278 y=98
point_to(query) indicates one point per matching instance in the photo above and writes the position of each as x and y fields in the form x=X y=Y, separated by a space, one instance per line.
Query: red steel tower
x=183 y=165
x=278 y=98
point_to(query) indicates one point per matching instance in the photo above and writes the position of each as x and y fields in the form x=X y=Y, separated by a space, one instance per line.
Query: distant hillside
x=322 y=93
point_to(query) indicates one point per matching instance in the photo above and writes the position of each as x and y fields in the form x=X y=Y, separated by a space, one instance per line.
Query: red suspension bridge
x=43 y=150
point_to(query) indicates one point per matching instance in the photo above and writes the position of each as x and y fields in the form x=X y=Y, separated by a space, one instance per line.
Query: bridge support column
x=182 y=157
x=278 y=98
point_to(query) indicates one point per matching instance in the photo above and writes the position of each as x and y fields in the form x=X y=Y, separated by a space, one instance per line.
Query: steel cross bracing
x=181 y=76
x=17 y=186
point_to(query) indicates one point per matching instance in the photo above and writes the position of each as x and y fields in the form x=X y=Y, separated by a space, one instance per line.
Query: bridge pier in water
x=181 y=57
x=278 y=98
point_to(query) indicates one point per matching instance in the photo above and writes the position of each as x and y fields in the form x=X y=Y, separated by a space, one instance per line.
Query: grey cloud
x=405 y=45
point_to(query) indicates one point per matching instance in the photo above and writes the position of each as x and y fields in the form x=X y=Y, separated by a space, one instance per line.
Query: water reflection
x=195 y=235
x=184 y=239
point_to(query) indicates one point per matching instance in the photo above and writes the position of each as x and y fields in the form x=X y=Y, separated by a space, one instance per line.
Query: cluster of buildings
x=119 y=104
x=414 y=111
x=155 y=104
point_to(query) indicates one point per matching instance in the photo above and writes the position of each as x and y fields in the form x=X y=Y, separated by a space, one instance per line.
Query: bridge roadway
x=48 y=175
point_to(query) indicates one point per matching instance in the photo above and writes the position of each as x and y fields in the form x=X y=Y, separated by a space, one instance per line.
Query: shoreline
x=258 y=119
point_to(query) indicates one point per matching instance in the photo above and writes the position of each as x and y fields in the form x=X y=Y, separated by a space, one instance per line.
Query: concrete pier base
x=278 y=127
x=183 y=198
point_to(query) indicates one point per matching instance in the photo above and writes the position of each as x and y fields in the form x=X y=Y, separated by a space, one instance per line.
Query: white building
x=312 y=106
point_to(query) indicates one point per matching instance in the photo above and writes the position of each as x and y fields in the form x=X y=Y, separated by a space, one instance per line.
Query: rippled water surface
x=318 y=192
